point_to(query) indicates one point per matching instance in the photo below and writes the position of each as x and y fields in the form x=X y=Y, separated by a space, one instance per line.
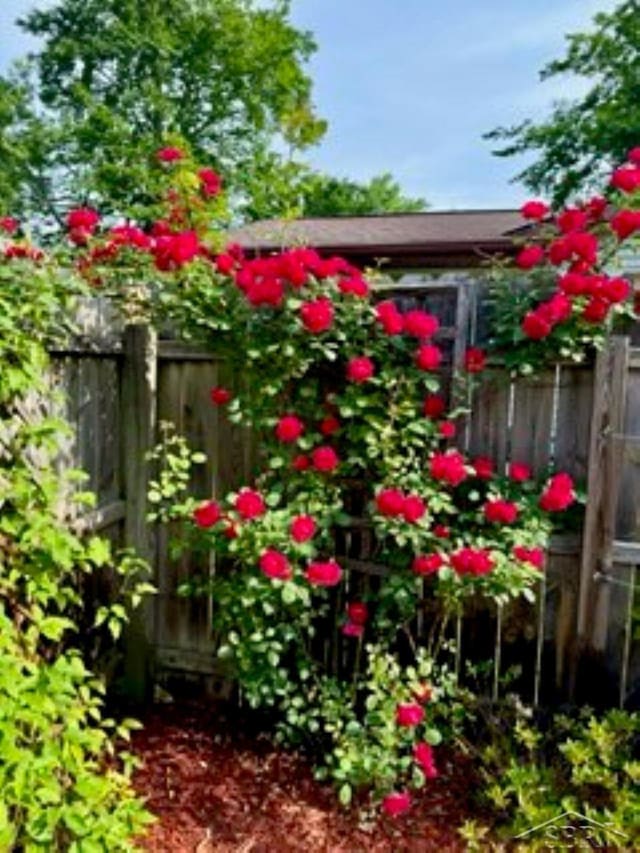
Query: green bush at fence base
x=570 y=779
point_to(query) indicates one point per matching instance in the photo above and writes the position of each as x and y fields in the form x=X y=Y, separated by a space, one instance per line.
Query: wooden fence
x=120 y=384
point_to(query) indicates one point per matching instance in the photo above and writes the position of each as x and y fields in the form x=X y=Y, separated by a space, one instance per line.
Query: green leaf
x=345 y=794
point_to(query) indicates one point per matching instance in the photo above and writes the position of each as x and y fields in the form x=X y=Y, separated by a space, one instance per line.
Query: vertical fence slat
x=532 y=421
x=139 y=387
x=604 y=468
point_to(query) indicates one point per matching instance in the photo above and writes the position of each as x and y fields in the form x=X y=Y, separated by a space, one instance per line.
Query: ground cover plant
x=355 y=412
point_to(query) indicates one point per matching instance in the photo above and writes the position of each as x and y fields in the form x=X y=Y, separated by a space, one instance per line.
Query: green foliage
x=534 y=773
x=64 y=785
x=111 y=79
x=359 y=744
x=324 y=195
x=581 y=139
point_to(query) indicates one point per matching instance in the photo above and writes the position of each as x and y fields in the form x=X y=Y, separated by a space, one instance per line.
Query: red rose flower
x=449 y=467
x=583 y=245
x=358 y=612
x=475 y=360
x=595 y=207
x=390 y=502
x=360 y=369
x=596 y=310
x=210 y=182
x=441 y=531
x=389 y=317
x=428 y=357
x=329 y=425
x=169 y=154
x=529 y=257
x=250 y=504
x=472 y=561
x=423 y=693
x=324 y=574
x=301 y=462
x=483 y=467
x=352 y=629
x=207 y=514
x=571 y=219
x=558 y=494
x=9 y=224
x=317 y=316
x=303 y=528
x=413 y=509
x=225 y=263
x=633 y=156
x=275 y=565
x=220 y=396
x=423 y=754
x=624 y=223
x=355 y=286
x=409 y=714
x=129 y=235
x=616 y=290
x=534 y=210
x=519 y=472
x=396 y=803
x=172 y=251
x=533 y=556
x=420 y=324
x=559 y=251
x=626 y=179
x=447 y=429
x=289 y=429
x=574 y=284
x=324 y=458
x=266 y=291
x=500 y=511
x=427 y=564
x=230 y=529
x=556 y=309
x=82 y=219
x=434 y=406
x=534 y=326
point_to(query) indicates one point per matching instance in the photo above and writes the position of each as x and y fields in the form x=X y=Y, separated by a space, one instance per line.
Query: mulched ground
x=218 y=788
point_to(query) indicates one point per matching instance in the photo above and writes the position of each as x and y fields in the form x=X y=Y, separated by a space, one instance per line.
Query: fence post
x=604 y=469
x=138 y=406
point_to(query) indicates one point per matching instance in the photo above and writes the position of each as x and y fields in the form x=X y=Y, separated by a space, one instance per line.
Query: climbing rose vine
x=354 y=407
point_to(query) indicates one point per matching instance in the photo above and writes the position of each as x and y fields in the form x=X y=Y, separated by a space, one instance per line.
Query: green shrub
x=64 y=783
x=63 y=788
x=586 y=765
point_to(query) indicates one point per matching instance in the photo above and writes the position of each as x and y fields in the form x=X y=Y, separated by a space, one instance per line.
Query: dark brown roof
x=450 y=237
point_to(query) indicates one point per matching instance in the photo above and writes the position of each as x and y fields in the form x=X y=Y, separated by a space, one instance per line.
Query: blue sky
x=409 y=86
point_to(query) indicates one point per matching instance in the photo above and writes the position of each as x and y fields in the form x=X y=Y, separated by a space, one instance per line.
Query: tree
x=324 y=195
x=114 y=78
x=583 y=138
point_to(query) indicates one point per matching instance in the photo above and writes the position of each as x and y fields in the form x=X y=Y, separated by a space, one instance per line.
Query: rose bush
x=348 y=400
x=569 y=293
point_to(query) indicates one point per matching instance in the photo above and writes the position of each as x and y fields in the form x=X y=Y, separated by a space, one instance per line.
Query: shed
x=455 y=239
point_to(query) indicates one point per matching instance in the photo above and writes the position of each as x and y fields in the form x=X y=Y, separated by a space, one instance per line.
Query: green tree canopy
x=323 y=195
x=581 y=139
x=112 y=78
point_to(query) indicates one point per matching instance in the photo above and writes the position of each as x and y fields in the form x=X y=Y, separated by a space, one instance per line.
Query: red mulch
x=216 y=789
